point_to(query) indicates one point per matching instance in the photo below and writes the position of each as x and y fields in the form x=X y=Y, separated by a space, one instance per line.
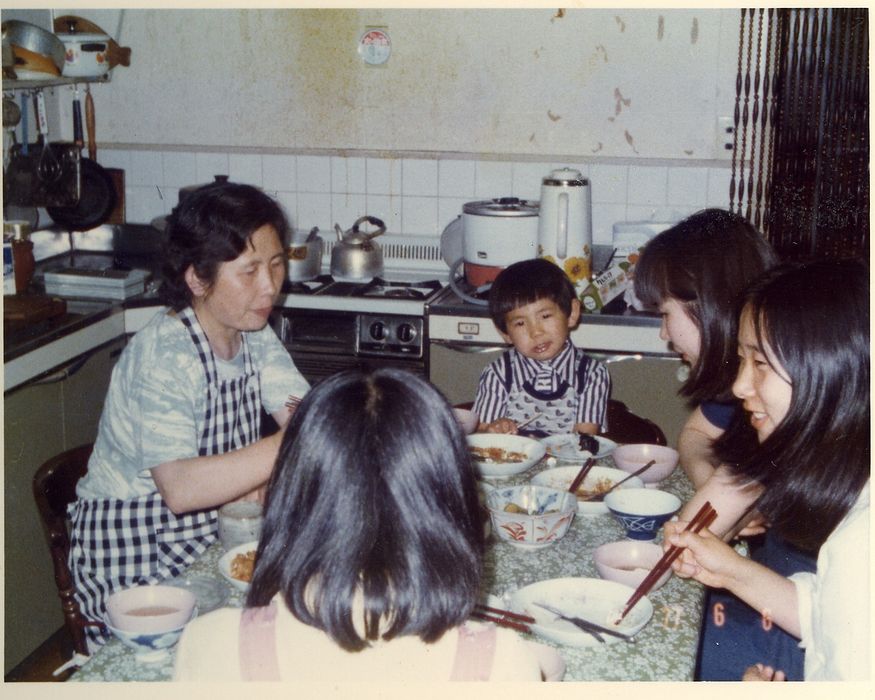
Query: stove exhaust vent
x=414 y=252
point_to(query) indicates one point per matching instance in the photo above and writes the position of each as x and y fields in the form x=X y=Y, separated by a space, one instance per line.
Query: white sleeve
x=834 y=605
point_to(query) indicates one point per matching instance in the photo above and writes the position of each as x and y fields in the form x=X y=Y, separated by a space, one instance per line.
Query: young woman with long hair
x=370 y=557
x=804 y=382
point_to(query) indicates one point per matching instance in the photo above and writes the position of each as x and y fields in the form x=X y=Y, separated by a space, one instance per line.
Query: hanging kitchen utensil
x=11 y=113
x=48 y=168
x=78 y=138
x=356 y=256
x=97 y=193
x=42 y=174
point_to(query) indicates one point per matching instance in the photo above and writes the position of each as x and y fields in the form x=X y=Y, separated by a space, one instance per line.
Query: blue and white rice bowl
x=150 y=646
x=561 y=478
x=547 y=517
x=642 y=511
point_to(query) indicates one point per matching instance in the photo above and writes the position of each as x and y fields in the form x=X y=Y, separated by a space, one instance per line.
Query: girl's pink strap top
x=475 y=651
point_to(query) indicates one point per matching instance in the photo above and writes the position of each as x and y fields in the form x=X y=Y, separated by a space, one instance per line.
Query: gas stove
x=413 y=274
x=330 y=324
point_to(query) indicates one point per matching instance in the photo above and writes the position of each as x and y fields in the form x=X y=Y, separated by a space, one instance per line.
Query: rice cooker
x=497 y=233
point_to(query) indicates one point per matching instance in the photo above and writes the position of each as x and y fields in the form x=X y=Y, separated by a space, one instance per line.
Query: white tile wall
x=414 y=196
x=384 y=175
x=243 y=167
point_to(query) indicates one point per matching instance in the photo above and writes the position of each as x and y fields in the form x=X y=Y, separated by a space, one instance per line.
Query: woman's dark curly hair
x=213 y=225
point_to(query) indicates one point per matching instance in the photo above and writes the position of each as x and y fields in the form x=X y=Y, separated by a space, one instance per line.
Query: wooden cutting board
x=30 y=308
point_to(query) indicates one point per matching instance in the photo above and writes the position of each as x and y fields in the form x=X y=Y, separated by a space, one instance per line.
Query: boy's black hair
x=526 y=282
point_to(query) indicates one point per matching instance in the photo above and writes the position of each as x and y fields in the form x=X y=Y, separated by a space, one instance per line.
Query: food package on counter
x=610 y=284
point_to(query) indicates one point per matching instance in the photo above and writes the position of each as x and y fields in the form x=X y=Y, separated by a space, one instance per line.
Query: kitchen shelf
x=12 y=85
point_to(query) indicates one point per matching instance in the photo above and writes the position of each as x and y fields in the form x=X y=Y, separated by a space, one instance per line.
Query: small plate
x=564 y=446
x=590 y=599
x=228 y=557
x=561 y=477
x=210 y=593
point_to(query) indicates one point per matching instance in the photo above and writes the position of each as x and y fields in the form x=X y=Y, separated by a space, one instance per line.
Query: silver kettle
x=355 y=255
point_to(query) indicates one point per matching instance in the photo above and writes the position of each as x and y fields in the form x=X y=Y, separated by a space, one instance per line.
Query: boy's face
x=540 y=329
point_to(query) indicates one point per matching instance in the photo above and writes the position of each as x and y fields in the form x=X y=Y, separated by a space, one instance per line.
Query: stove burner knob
x=378 y=330
x=406 y=333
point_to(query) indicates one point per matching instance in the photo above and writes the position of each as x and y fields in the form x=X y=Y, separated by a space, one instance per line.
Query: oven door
x=323 y=343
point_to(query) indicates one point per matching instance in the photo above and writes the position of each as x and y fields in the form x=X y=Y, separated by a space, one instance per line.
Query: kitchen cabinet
x=42 y=418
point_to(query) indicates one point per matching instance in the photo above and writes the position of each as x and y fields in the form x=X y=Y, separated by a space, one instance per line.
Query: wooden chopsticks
x=503 y=618
x=581 y=475
x=701 y=520
x=601 y=496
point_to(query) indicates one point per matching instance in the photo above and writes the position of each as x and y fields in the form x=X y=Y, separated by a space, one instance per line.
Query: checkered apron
x=554 y=398
x=118 y=543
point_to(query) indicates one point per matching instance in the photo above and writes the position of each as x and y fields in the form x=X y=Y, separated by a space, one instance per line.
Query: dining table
x=664 y=650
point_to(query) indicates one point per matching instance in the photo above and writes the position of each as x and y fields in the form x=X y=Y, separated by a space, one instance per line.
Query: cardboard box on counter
x=608 y=285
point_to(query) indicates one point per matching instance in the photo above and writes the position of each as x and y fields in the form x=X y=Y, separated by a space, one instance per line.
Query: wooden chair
x=623 y=425
x=54 y=487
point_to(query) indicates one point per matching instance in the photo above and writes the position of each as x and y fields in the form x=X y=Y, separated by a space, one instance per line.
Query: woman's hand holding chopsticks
x=706 y=558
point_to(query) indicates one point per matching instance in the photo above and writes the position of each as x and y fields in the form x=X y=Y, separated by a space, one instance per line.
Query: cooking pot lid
x=503 y=206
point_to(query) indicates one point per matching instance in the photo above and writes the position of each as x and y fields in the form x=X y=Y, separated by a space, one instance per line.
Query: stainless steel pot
x=356 y=256
x=305 y=257
x=35 y=39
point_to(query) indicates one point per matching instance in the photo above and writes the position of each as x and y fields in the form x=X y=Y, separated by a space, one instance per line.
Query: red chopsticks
x=581 y=475
x=504 y=618
x=701 y=520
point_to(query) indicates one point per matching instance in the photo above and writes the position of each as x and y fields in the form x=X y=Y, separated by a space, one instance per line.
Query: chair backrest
x=54 y=487
x=626 y=427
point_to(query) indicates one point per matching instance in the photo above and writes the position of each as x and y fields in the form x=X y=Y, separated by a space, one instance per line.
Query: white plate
x=561 y=477
x=590 y=599
x=533 y=450
x=228 y=557
x=564 y=446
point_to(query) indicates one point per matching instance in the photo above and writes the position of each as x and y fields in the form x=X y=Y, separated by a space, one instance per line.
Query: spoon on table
x=601 y=496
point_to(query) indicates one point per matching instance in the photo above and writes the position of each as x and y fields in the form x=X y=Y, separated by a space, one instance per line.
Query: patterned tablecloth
x=665 y=650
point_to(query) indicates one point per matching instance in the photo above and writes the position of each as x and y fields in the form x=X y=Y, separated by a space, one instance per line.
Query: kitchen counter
x=34 y=349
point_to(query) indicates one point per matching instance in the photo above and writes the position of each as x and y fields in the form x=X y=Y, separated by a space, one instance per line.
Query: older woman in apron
x=180 y=433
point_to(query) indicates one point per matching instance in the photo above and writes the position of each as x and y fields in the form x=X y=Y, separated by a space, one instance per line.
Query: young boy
x=534 y=307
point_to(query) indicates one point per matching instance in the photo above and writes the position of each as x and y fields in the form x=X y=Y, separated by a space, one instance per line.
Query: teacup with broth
x=150 y=609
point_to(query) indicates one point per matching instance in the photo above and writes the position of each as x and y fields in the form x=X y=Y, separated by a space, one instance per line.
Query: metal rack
x=13 y=85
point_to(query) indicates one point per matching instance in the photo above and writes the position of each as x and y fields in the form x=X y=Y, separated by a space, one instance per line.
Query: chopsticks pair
x=700 y=521
x=601 y=496
x=503 y=618
x=581 y=475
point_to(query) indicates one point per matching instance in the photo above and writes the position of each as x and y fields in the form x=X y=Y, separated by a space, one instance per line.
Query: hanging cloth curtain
x=800 y=168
